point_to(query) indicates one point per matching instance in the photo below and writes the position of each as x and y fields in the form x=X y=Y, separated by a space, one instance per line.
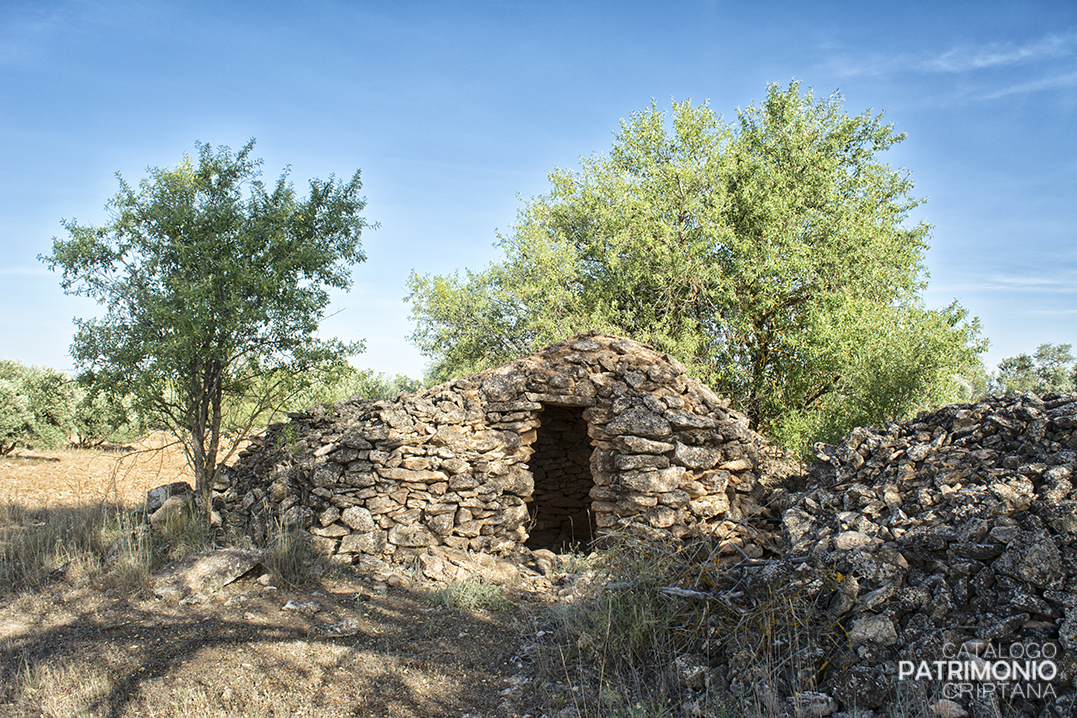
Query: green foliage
x=1051 y=368
x=211 y=283
x=37 y=406
x=900 y=361
x=771 y=256
x=285 y=392
x=345 y=382
x=101 y=416
x=16 y=418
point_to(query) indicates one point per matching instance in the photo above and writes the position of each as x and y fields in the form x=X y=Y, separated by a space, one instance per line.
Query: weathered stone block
x=639 y=445
x=696 y=457
x=661 y=517
x=638 y=421
x=371 y=542
x=629 y=462
x=682 y=419
x=440 y=524
x=358 y=518
x=708 y=507
x=411 y=536
x=331 y=531
x=656 y=482
x=325 y=475
x=1032 y=558
x=398 y=474
x=297 y=518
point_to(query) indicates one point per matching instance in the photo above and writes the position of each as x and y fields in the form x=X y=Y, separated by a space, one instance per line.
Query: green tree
x=772 y=256
x=37 y=406
x=16 y=417
x=210 y=281
x=1051 y=368
x=102 y=416
x=325 y=386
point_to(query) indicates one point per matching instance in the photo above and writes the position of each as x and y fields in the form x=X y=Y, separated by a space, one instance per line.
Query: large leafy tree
x=211 y=282
x=773 y=256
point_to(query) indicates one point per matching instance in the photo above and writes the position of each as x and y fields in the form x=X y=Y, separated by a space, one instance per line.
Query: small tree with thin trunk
x=211 y=282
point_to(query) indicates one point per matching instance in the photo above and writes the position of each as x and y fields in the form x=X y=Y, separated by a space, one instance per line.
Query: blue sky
x=454 y=111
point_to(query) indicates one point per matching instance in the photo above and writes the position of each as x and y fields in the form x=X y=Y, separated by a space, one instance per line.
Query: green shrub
x=42 y=402
x=101 y=417
x=16 y=419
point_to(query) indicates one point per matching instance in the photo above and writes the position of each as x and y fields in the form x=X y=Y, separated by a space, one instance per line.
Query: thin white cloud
x=1047 y=83
x=962 y=59
x=965 y=59
x=1026 y=282
x=1001 y=283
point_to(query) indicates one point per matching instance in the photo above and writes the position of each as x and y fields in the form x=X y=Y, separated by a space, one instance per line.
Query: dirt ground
x=347 y=646
x=77 y=477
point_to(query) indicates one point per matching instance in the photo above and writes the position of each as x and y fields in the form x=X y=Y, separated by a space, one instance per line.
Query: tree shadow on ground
x=239 y=653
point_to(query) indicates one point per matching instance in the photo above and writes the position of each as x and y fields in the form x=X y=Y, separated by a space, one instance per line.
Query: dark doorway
x=561 y=508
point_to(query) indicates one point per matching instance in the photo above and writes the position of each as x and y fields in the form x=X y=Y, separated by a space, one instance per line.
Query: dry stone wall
x=552 y=449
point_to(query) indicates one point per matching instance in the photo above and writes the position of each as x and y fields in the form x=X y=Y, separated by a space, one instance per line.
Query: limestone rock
x=156 y=497
x=204 y=572
x=174 y=510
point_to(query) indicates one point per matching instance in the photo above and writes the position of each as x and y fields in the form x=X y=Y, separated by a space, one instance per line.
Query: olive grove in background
x=1051 y=368
x=44 y=408
x=773 y=256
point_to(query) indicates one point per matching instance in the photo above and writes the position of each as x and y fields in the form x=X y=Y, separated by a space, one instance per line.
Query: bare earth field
x=77 y=477
x=349 y=645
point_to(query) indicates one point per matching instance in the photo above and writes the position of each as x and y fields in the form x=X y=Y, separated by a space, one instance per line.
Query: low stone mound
x=951 y=538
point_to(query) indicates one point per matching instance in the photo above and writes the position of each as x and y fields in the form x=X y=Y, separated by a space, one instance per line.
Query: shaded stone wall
x=452 y=465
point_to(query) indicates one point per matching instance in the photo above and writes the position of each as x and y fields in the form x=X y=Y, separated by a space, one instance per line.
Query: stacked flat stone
x=958 y=528
x=450 y=466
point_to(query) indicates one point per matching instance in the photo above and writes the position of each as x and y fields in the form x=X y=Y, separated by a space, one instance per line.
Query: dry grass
x=98 y=545
x=81 y=633
x=471 y=595
x=671 y=630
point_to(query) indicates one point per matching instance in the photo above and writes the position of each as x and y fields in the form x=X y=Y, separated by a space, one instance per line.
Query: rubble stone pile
x=951 y=537
x=547 y=451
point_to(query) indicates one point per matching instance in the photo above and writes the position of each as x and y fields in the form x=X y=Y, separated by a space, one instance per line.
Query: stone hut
x=551 y=450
